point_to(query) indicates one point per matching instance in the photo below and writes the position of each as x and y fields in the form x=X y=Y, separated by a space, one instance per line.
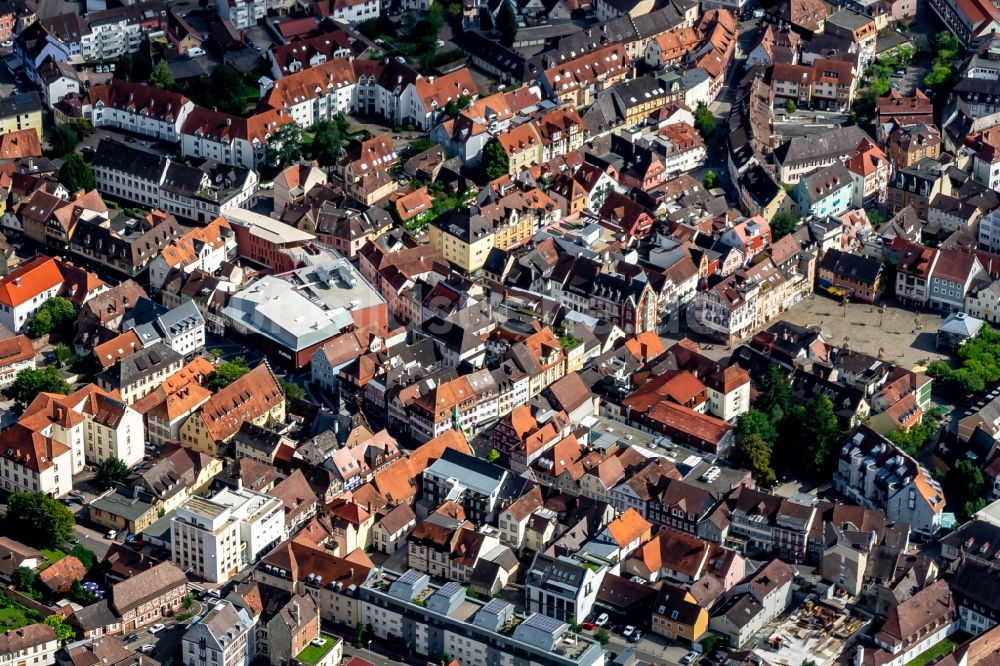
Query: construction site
x=815 y=631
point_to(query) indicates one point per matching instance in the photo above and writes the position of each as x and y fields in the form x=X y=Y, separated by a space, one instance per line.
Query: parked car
x=628 y=630
x=112 y=534
x=147 y=648
x=157 y=628
x=439 y=44
x=131 y=638
x=689 y=658
x=636 y=635
x=602 y=619
x=589 y=626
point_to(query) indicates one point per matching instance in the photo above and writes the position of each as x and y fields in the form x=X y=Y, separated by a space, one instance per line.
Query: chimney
x=17 y=282
x=239 y=483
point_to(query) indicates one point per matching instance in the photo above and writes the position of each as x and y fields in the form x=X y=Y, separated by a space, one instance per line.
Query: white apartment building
x=242 y=13
x=476 y=633
x=24 y=290
x=31 y=463
x=111 y=429
x=205 y=538
x=226 y=636
x=33 y=645
x=261 y=519
x=876 y=474
x=220 y=536
x=138 y=108
x=200 y=190
x=355 y=11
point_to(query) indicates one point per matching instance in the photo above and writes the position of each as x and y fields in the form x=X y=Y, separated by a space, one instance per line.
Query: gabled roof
x=249 y=397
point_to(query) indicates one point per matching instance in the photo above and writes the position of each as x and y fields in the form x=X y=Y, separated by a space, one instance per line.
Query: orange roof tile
x=628 y=527
x=29 y=280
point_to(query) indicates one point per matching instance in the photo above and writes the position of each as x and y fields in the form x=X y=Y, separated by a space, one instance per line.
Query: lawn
x=312 y=654
x=945 y=647
x=13 y=618
x=52 y=555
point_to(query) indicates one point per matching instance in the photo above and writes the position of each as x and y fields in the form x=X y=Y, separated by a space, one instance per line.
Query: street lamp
x=369 y=650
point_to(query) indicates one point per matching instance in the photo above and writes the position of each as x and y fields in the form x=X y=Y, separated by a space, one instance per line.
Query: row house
x=524 y=434
x=826 y=84
x=752 y=521
x=939 y=279
x=576 y=82
x=138 y=108
x=561 y=131
x=199 y=190
x=230 y=139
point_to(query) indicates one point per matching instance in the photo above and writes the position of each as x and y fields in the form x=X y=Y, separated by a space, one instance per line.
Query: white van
x=196 y=52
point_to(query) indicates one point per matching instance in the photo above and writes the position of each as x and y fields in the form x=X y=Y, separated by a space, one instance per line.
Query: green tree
x=711 y=180
x=327 y=141
x=291 y=389
x=82 y=127
x=776 y=393
x=964 y=484
x=492 y=456
x=111 y=471
x=755 y=423
x=704 y=121
x=495 y=160
x=30 y=382
x=161 y=77
x=79 y=594
x=76 y=174
x=52 y=315
x=227 y=373
x=285 y=146
x=808 y=662
x=63 y=139
x=821 y=430
x=790 y=106
x=754 y=453
x=62 y=354
x=23 y=579
x=38 y=520
x=507 y=24
x=64 y=632
x=359 y=634
x=783 y=224
x=85 y=555
x=602 y=637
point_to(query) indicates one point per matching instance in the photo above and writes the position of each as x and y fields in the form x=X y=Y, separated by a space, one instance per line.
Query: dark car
x=131 y=638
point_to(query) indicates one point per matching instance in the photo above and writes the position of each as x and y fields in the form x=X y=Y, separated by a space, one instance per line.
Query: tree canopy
x=285 y=146
x=76 y=174
x=38 y=520
x=704 y=121
x=111 y=471
x=507 y=24
x=979 y=365
x=783 y=224
x=161 y=76
x=227 y=373
x=495 y=160
x=329 y=137
x=30 y=382
x=64 y=632
x=52 y=315
x=965 y=488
